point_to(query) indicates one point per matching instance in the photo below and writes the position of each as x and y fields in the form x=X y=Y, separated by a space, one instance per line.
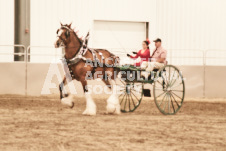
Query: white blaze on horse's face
x=59 y=43
x=60 y=32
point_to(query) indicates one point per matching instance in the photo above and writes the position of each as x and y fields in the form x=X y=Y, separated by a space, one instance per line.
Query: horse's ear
x=57 y=31
x=69 y=25
x=61 y=24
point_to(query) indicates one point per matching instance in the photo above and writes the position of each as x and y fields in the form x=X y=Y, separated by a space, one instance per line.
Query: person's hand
x=134 y=52
x=128 y=55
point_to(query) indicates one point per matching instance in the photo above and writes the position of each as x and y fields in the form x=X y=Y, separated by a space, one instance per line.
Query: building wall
x=6 y=30
x=186 y=27
x=191 y=24
x=46 y=15
x=182 y=24
x=7 y=22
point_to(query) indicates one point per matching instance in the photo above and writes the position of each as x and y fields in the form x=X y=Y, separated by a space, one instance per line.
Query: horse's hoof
x=113 y=109
x=87 y=112
x=67 y=102
x=72 y=105
x=118 y=110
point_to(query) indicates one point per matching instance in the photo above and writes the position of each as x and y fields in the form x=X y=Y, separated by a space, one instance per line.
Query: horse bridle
x=67 y=34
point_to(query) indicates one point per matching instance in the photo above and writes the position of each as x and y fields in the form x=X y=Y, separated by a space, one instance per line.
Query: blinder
x=67 y=33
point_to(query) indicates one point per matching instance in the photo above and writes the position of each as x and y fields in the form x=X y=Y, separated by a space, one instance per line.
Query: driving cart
x=168 y=88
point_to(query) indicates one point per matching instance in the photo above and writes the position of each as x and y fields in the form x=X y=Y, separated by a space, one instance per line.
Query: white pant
x=150 y=66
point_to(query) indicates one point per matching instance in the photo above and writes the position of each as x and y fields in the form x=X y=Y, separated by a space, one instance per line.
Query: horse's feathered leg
x=113 y=106
x=90 y=105
x=65 y=99
x=107 y=82
x=61 y=88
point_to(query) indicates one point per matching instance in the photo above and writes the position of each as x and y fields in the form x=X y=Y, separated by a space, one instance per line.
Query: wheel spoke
x=122 y=98
x=172 y=103
x=179 y=76
x=165 y=102
x=121 y=95
x=166 y=78
x=172 y=78
x=122 y=82
x=121 y=86
x=136 y=91
x=133 y=101
x=177 y=90
x=159 y=82
x=172 y=83
x=175 y=101
x=129 y=101
x=162 y=100
x=161 y=94
x=159 y=89
x=125 y=102
x=176 y=85
x=135 y=96
x=176 y=95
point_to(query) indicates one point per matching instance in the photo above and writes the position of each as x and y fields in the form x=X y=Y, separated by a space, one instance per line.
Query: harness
x=80 y=56
x=68 y=63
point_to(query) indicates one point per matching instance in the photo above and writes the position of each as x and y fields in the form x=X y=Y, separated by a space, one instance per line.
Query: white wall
x=46 y=15
x=192 y=24
x=7 y=22
x=6 y=29
x=182 y=24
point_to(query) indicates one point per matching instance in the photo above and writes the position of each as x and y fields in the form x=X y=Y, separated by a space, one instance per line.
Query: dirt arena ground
x=44 y=124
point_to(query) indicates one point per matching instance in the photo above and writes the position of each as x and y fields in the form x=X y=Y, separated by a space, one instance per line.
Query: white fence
x=47 y=54
x=204 y=70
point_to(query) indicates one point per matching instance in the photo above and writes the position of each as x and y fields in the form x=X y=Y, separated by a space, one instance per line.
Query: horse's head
x=63 y=35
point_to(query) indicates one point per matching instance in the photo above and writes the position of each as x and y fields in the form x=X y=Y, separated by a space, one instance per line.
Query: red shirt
x=143 y=55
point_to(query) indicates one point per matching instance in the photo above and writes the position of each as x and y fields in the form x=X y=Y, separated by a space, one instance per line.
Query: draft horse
x=76 y=55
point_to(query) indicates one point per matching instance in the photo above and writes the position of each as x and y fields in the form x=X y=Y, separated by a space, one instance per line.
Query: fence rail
x=47 y=54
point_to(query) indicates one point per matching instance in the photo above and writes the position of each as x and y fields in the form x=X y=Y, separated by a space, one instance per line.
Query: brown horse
x=78 y=67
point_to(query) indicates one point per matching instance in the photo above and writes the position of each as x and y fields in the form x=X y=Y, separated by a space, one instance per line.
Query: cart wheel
x=169 y=90
x=130 y=95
